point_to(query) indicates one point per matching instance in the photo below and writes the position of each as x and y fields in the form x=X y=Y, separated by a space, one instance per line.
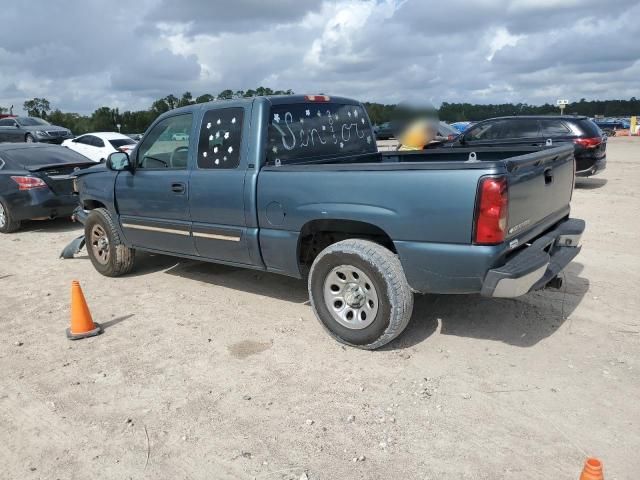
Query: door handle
x=178 y=187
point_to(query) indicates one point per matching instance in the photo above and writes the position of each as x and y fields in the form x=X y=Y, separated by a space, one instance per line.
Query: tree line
x=106 y=118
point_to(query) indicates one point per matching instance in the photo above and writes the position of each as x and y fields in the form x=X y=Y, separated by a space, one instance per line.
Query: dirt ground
x=207 y=371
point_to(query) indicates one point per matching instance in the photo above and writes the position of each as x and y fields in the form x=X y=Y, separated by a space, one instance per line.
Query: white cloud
x=126 y=55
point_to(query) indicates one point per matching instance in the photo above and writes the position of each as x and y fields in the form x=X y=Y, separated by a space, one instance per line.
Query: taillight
x=491 y=215
x=317 y=98
x=591 y=142
x=29 y=183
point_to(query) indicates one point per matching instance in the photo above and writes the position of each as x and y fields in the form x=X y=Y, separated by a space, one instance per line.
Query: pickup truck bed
x=295 y=185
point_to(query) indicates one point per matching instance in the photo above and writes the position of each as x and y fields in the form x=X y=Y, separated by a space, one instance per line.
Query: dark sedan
x=36 y=183
x=32 y=129
x=590 y=145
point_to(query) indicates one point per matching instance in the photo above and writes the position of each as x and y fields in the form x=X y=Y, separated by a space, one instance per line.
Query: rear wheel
x=7 y=223
x=28 y=138
x=108 y=254
x=360 y=294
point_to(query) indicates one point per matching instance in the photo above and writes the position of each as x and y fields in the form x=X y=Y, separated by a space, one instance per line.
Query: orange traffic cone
x=592 y=470
x=82 y=325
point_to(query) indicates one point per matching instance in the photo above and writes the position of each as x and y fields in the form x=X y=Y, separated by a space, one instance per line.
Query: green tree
x=160 y=106
x=37 y=107
x=186 y=99
x=225 y=95
x=207 y=97
x=172 y=101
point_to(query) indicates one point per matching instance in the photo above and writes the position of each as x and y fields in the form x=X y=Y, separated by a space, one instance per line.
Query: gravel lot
x=207 y=371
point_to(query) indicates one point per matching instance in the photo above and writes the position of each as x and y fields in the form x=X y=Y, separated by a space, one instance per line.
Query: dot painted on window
x=218 y=122
x=230 y=149
x=208 y=125
x=217 y=162
x=224 y=158
x=204 y=154
x=226 y=135
x=217 y=134
x=215 y=149
x=355 y=113
x=233 y=120
x=210 y=137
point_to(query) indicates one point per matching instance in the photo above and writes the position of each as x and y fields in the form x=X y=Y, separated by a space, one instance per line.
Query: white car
x=97 y=146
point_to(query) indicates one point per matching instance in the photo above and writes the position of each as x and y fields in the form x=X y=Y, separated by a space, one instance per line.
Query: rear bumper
x=36 y=204
x=598 y=166
x=535 y=266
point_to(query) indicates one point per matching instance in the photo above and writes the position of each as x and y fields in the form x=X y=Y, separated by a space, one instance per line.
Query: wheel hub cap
x=3 y=217
x=351 y=297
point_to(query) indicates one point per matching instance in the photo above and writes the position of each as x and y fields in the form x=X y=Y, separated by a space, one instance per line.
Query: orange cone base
x=90 y=333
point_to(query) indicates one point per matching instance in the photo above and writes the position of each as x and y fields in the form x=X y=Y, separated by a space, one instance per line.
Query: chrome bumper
x=536 y=265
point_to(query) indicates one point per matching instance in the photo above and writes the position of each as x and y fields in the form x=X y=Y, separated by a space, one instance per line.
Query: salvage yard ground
x=207 y=372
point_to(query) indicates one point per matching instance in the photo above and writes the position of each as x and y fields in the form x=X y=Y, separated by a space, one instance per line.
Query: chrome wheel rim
x=3 y=216
x=351 y=297
x=29 y=139
x=100 y=244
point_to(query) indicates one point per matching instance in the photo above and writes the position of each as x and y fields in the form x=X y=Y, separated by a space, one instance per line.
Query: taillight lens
x=29 y=183
x=491 y=217
x=591 y=142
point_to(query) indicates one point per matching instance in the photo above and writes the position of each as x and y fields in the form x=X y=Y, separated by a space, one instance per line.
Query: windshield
x=312 y=131
x=31 y=121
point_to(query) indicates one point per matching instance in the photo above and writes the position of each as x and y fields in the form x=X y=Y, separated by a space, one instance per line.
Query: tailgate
x=540 y=187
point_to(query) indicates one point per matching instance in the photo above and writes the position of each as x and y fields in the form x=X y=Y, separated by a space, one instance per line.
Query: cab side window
x=167 y=144
x=220 y=138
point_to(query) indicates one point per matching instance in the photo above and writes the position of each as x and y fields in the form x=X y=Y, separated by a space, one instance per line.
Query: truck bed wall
x=410 y=205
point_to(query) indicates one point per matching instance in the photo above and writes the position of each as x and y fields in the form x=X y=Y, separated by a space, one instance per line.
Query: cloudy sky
x=82 y=54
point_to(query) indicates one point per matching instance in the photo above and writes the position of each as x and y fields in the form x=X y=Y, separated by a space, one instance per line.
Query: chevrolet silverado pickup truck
x=295 y=185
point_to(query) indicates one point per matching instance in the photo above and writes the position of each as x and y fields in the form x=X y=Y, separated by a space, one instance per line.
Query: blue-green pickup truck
x=296 y=185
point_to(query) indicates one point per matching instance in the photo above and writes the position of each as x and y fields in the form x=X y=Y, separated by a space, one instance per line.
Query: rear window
x=311 y=131
x=121 y=142
x=589 y=127
x=33 y=157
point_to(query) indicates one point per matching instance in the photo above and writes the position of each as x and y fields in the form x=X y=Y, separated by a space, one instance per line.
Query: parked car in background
x=296 y=185
x=461 y=126
x=135 y=136
x=383 y=131
x=31 y=129
x=97 y=146
x=590 y=144
x=611 y=125
x=36 y=183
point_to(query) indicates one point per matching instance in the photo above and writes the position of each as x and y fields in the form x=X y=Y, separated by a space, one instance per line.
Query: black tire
x=120 y=258
x=394 y=296
x=28 y=138
x=9 y=225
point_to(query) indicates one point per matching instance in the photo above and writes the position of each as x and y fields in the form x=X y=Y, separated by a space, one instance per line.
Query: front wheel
x=360 y=294
x=108 y=254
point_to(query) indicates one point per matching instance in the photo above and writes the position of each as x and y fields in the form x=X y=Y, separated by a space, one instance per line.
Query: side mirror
x=118 y=161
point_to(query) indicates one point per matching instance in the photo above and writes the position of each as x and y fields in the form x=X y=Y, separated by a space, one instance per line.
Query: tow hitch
x=555 y=283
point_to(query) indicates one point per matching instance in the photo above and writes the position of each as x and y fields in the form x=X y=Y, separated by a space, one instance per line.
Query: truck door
x=217 y=186
x=153 y=202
